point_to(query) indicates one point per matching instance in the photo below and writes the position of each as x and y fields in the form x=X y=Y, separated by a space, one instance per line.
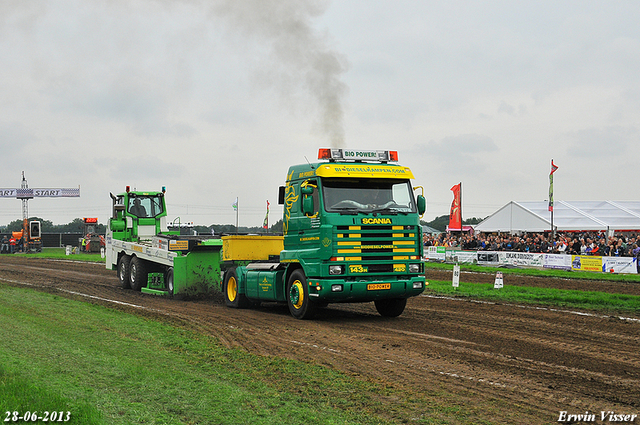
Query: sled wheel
x=169 y=280
x=123 y=271
x=137 y=274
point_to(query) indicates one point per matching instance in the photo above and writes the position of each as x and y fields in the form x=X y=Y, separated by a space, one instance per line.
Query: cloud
x=465 y=153
x=464 y=144
x=610 y=141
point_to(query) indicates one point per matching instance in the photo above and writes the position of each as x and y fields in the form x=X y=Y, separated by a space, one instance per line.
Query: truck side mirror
x=422 y=204
x=281 y=195
x=307 y=200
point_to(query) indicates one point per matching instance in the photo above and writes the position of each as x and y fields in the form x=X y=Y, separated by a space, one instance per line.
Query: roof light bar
x=357 y=155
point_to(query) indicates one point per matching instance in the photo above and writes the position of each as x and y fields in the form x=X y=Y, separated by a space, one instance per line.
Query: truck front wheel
x=123 y=271
x=391 y=308
x=232 y=297
x=298 y=300
x=137 y=273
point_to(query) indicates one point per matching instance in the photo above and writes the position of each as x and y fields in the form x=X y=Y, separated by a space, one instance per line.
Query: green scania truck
x=351 y=233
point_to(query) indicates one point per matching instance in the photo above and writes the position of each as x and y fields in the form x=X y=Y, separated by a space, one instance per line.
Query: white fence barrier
x=525 y=259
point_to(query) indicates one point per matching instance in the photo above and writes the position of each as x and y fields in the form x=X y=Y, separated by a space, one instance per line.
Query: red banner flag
x=554 y=167
x=455 y=216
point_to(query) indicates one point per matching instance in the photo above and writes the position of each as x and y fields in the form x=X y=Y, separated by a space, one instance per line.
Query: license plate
x=378 y=286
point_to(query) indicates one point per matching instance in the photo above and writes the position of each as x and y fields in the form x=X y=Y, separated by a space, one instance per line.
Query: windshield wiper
x=388 y=210
x=347 y=210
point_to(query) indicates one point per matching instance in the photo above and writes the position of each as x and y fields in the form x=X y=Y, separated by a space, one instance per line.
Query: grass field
x=558 y=298
x=589 y=300
x=107 y=367
x=60 y=254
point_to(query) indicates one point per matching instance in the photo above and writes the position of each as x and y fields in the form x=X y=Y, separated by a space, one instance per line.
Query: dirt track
x=504 y=363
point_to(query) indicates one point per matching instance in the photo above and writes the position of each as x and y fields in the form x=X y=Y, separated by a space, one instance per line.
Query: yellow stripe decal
x=353 y=243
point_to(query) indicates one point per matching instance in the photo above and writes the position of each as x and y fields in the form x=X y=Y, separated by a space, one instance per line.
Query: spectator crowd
x=588 y=243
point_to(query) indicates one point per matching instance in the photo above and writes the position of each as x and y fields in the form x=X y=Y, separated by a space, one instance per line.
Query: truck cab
x=138 y=215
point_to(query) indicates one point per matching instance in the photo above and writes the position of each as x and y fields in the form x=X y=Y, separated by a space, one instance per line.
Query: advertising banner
x=465 y=257
x=619 y=265
x=586 y=263
x=521 y=259
x=436 y=253
x=557 y=261
x=488 y=258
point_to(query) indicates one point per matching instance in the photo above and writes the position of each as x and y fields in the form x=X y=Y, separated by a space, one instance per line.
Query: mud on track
x=504 y=363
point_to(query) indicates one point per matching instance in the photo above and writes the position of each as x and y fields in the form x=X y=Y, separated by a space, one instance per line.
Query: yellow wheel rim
x=232 y=289
x=296 y=294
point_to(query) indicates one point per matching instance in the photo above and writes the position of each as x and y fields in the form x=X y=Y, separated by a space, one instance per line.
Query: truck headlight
x=417 y=285
x=333 y=270
x=414 y=268
x=336 y=288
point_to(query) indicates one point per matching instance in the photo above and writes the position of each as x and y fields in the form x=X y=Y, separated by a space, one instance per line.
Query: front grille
x=376 y=242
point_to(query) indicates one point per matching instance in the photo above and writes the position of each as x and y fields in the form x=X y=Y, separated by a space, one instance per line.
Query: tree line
x=441 y=223
x=77 y=226
x=46 y=226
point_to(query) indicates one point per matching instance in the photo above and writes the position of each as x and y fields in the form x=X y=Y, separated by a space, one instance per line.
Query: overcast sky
x=215 y=99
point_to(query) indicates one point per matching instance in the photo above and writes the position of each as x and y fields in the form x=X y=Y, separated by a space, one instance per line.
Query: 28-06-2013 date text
x=55 y=416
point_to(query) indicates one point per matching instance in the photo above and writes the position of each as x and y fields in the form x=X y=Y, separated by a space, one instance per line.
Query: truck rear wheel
x=123 y=271
x=137 y=273
x=391 y=308
x=232 y=297
x=298 y=300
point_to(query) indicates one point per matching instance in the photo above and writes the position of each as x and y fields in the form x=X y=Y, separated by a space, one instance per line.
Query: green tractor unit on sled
x=351 y=233
x=150 y=258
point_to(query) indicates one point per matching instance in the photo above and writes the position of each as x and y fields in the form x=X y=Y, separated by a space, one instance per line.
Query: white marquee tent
x=534 y=216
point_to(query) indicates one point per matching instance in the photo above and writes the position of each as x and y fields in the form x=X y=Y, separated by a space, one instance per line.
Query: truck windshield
x=386 y=196
x=145 y=205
